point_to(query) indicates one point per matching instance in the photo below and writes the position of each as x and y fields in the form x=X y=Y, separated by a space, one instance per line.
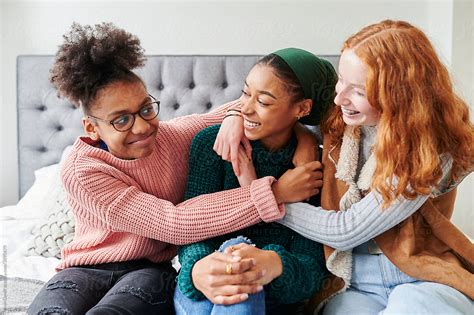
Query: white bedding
x=15 y=235
x=17 y=224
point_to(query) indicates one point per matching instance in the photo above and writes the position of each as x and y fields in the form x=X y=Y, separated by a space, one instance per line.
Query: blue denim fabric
x=255 y=304
x=134 y=287
x=379 y=287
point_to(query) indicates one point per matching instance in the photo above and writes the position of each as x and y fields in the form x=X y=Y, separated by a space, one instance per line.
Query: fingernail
x=259 y=288
x=236 y=258
x=244 y=296
x=264 y=272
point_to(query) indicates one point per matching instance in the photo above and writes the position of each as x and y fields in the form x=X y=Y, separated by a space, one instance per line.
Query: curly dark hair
x=92 y=58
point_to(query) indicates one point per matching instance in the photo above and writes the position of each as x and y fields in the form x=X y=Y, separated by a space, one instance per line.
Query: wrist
x=194 y=276
x=277 y=192
x=277 y=264
x=234 y=109
x=232 y=114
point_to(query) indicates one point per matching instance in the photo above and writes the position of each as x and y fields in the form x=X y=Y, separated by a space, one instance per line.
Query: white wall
x=463 y=70
x=198 y=27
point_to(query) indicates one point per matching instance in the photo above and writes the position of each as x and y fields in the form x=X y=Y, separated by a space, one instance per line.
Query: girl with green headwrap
x=283 y=88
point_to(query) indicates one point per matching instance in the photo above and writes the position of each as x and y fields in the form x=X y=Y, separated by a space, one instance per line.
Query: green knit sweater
x=303 y=260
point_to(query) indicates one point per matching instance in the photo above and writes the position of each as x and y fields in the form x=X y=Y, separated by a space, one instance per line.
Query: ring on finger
x=228 y=269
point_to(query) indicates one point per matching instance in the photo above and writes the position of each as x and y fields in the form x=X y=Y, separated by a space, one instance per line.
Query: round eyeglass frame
x=138 y=112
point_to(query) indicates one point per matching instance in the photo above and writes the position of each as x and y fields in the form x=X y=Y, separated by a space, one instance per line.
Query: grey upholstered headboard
x=183 y=84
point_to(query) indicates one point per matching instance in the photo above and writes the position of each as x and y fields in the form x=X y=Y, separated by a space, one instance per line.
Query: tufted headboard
x=183 y=84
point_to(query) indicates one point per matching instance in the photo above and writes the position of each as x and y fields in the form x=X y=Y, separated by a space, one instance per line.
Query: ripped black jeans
x=133 y=287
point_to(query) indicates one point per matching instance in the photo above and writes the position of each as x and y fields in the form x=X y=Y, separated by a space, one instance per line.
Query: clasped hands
x=229 y=277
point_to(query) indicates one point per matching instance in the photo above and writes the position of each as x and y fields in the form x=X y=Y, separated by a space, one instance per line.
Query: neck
x=276 y=142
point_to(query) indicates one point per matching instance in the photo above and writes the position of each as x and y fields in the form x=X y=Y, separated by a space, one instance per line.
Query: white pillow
x=37 y=203
x=34 y=202
x=47 y=199
x=57 y=230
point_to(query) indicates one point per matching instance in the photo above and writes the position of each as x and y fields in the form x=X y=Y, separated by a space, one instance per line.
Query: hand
x=210 y=277
x=266 y=261
x=229 y=139
x=247 y=169
x=307 y=147
x=299 y=183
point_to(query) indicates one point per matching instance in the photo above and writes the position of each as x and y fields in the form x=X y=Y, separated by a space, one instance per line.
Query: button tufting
x=42 y=108
x=43 y=149
x=176 y=106
x=225 y=85
x=191 y=85
x=161 y=86
x=59 y=128
x=209 y=105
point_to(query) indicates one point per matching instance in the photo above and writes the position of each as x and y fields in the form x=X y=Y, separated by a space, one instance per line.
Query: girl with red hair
x=396 y=146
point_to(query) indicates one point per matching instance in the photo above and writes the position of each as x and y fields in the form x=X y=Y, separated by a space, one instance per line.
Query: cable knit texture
x=125 y=209
x=303 y=260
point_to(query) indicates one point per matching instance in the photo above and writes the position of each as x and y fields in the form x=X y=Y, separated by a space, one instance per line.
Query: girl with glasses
x=125 y=180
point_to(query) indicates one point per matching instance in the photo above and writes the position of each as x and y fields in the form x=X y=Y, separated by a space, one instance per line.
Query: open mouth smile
x=349 y=112
x=251 y=124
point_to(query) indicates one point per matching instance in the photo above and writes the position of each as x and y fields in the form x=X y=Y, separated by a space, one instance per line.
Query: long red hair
x=421 y=116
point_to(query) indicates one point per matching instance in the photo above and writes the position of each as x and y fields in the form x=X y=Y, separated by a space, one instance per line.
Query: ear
x=90 y=129
x=304 y=107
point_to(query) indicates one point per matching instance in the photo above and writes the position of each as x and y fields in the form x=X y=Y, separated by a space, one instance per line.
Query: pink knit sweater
x=126 y=209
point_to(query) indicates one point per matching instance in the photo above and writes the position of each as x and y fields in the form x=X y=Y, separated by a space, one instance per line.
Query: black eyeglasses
x=125 y=122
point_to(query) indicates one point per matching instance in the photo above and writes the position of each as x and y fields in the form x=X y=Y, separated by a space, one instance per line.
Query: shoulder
x=82 y=152
x=206 y=137
x=202 y=147
x=86 y=161
x=183 y=123
x=81 y=167
x=180 y=128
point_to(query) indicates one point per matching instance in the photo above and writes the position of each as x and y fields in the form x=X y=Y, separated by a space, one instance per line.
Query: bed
x=34 y=230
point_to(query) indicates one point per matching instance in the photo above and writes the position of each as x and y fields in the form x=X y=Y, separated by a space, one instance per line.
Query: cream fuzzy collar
x=340 y=262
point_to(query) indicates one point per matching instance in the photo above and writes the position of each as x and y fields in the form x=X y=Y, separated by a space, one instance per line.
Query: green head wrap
x=317 y=77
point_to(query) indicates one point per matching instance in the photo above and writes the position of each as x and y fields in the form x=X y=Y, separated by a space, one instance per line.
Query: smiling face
x=268 y=110
x=351 y=93
x=113 y=101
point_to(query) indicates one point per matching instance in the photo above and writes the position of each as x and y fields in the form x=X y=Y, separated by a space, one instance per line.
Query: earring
x=298 y=117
